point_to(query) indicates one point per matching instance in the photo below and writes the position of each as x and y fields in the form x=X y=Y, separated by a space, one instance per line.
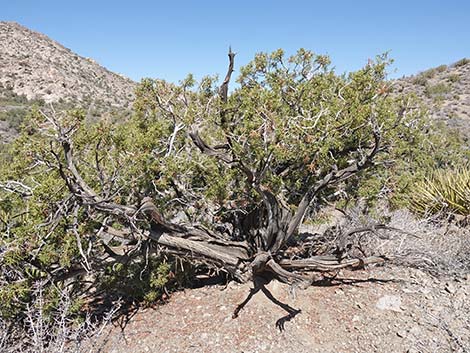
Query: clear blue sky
x=167 y=39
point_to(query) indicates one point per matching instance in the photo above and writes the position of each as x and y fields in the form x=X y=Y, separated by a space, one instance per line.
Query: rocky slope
x=445 y=90
x=33 y=65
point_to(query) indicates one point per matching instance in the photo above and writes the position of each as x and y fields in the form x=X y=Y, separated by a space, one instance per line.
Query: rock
x=389 y=302
x=339 y=291
x=450 y=288
x=412 y=350
x=401 y=333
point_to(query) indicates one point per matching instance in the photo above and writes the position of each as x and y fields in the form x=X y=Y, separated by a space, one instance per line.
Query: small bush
x=420 y=80
x=14 y=117
x=429 y=73
x=462 y=62
x=423 y=77
x=445 y=191
x=454 y=78
x=438 y=89
x=8 y=97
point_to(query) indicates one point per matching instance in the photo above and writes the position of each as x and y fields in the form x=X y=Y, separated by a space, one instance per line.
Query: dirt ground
x=381 y=309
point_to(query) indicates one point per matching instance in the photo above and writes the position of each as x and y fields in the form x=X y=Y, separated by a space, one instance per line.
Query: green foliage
x=291 y=112
x=13 y=117
x=445 y=190
x=312 y=120
x=12 y=298
x=432 y=147
x=430 y=73
x=8 y=97
x=144 y=281
x=453 y=78
x=34 y=249
x=439 y=89
x=423 y=77
x=462 y=62
x=420 y=80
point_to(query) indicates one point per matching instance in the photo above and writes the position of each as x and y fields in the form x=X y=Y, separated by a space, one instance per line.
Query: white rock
x=389 y=302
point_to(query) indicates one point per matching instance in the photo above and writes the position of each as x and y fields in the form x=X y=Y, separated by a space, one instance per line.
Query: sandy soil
x=383 y=309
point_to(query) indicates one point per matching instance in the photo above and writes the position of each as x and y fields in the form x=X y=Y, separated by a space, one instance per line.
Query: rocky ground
x=382 y=309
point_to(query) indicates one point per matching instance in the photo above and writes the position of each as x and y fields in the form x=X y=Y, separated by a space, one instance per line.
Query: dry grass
x=445 y=191
x=435 y=246
x=40 y=333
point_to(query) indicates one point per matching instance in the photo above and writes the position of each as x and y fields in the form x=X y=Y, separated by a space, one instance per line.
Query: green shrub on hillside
x=425 y=147
x=420 y=80
x=462 y=62
x=14 y=117
x=423 y=77
x=454 y=78
x=439 y=89
x=8 y=97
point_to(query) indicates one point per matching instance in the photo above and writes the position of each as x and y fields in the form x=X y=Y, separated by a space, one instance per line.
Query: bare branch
x=17 y=187
x=223 y=90
x=206 y=149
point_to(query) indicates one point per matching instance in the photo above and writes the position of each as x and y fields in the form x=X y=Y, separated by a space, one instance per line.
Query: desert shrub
x=423 y=148
x=35 y=242
x=144 y=282
x=462 y=62
x=430 y=73
x=423 y=77
x=444 y=191
x=410 y=239
x=14 y=117
x=8 y=97
x=420 y=80
x=439 y=89
x=453 y=78
x=58 y=332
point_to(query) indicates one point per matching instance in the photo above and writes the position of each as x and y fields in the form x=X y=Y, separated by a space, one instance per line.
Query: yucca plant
x=444 y=191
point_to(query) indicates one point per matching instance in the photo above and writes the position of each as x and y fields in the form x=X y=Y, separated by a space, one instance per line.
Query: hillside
x=36 y=70
x=445 y=90
x=33 y=65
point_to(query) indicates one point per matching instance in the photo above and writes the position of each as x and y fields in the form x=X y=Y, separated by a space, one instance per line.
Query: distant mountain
x=445 y=90
x=33 y=65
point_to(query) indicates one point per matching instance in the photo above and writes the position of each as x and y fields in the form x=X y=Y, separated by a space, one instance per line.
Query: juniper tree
x=200 y=173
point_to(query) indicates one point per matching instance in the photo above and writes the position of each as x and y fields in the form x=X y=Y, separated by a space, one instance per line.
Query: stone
x=389 y=302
